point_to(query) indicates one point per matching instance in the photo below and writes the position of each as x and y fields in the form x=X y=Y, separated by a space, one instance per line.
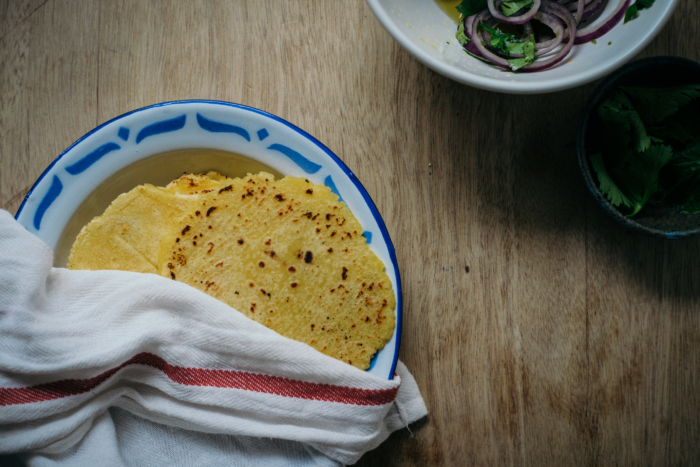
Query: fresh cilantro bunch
x=650 y=148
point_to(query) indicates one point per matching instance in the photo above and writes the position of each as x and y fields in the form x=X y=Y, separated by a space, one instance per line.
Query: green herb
x=654 y=105
x=685 y=167
x=650 y=148
x=528 y=49
x=618 y=113
x=607 y=185
x=509 y=45
x=595 y=42
x=471 y=7
x=634 y=9
x=498 y=38
x=512 y=7
x=461 y=36
x=610 y=43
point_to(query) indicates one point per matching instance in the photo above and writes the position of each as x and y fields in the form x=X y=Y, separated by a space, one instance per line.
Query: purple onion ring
x=594 y=31
x=477 y=40
x=557 y=10
x=593 y=8
x=555 y=24
x=580 y=7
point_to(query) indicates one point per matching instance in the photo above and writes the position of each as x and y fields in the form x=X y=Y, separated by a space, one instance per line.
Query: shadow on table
x=10 y=461
x=530 y=195
x=397 y=449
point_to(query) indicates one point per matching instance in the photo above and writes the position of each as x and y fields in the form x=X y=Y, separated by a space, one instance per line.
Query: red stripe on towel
x=201 y=377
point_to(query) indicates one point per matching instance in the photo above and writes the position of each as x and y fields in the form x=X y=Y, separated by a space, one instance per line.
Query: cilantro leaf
x=681 y=127
x=519 y=48
x=657 y=156
x=639 y=179
x=525 y=48
x=655 y=104
x=498 y=39
x=508 y=45
x=607 y=184
x=461 y=36
x=471 y=7
x=689 y=158
x=685 y=168
x=619 y=109
x=518 y=63
x=510 y=8
x=632 y=10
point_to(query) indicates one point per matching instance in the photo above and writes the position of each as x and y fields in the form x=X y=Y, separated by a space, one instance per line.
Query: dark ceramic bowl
x=658 y=220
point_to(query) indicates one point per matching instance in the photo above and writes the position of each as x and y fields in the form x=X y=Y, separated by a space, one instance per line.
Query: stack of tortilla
x=286 y=253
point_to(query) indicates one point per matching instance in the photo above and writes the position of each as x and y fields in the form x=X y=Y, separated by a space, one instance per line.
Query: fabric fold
x=75 y=345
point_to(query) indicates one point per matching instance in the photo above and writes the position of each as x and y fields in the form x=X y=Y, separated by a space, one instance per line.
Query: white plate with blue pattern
x=157 y=144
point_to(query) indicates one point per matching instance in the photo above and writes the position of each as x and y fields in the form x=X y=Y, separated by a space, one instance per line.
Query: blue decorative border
x=50 y=196
x=178 y=123
x=164 y=126
x=218 y=127
x=83 y=164
x=305 y=164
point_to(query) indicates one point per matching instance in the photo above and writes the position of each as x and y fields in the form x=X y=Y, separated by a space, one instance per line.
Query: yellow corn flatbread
x=127 y=236
x=285 y=253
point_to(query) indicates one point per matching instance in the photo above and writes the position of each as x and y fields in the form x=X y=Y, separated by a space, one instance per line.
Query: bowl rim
x=601 y=91
x=341 y=165
x=514 y=87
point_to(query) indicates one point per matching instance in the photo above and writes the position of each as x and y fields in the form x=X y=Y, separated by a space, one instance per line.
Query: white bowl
x=428 y=34
x=156 y=145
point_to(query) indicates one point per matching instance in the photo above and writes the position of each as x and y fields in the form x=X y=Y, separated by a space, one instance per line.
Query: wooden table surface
x=540 y=332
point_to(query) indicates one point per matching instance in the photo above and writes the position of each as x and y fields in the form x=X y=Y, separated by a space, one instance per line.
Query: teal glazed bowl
x=659 y=220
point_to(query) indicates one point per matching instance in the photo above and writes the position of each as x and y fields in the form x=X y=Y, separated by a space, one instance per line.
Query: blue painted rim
x=336 y=159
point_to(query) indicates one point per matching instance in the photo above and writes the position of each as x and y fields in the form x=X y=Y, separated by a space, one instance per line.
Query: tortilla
x=287 y=254
x=127 y=236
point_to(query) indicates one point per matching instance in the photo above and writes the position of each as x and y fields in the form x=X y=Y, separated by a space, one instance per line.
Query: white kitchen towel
x=135 y=369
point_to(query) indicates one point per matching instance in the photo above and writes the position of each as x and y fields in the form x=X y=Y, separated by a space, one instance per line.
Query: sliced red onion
x=570 y=21
x=556 y=14
x=594 y=31
x=557 y=27
x=478 y=39
x=472 y=49
x=527 y=16
x=468 y=25
x=592 y=8
x=580 y=6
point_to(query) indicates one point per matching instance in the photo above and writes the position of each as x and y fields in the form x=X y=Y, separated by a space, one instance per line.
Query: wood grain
x=540 y=332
